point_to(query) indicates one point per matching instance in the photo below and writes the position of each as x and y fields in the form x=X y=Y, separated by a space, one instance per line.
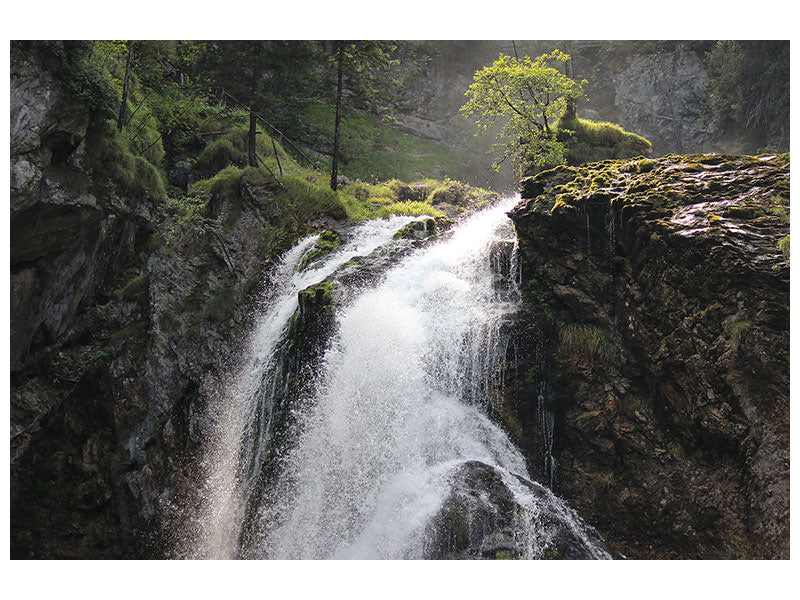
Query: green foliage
x=370 y=73
x=783 y=245
x=112 y=161
x=527 y=96
x=225 y=183
x=76 y=66
x=737 y=330
x=591 y=141
x=579 y=343
x=451 y=192
x=218 y=155
x=750 y=85
x=408 y=208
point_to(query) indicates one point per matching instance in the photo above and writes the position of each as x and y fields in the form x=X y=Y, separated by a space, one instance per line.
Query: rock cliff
x=652 y=375
x=124 y=306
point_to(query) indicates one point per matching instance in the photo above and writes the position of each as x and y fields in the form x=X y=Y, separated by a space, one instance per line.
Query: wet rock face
x=656 y=322
x=482 y=518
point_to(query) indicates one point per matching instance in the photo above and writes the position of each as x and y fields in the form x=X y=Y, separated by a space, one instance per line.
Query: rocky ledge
x=655 y=337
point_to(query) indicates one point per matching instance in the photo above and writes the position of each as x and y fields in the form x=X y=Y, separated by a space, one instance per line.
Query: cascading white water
x=243 y=405
x=399 y=408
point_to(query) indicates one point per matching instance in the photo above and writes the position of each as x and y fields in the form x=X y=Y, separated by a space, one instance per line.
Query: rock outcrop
x=483 y=519
x=124 y=306
x=655 y=336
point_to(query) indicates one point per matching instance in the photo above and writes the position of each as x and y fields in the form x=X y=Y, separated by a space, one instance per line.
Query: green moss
x=225 y=182
x=327 y=242
x=218 y=155
x=316 y=297
x=645 y=165
x=590 y=141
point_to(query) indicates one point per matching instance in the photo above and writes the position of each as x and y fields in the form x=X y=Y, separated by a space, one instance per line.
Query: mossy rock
x=329 y=241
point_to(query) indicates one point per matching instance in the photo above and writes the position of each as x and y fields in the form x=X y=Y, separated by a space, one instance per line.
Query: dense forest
x=399 y=299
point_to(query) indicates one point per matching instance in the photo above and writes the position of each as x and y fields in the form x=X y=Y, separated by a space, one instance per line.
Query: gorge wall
x=656 y=330
x=124 y=307
x=659 y=90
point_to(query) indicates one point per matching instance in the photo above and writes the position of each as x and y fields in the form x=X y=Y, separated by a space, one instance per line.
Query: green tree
x=527 y=96
x=259 y=75
x=750 y=87
x=365 y=69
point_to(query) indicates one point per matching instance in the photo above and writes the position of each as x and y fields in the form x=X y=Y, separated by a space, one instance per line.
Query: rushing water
x=244 y=406
x=404 y=390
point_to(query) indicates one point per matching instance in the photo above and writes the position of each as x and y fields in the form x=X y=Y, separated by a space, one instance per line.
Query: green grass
x=583 y=343
x=590 y=141
x=413 y=209
x=111 y=159
x=737 y=330
x=783 y=245
x=376 y=150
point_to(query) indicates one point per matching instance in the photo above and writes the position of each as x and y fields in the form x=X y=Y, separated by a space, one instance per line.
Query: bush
x=111 y=159
x=451 y=192
x=218 y=155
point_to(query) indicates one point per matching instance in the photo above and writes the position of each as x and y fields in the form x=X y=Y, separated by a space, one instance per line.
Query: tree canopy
x=527 y=96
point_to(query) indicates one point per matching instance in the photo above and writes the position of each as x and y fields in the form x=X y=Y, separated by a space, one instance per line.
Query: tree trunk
x=335 y=165
x=251 y=141
x=124 y=106
x=252 y=159
x=571 y=112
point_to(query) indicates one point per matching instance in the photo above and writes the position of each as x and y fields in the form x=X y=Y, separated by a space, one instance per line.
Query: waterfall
x=245 y=402
x=396 y=433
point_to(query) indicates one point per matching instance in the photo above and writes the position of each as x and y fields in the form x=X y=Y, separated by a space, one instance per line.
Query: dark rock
x=484 y=518
x=673 y=439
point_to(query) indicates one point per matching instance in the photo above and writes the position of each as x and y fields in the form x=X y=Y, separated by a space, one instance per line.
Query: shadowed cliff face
x=656 y=331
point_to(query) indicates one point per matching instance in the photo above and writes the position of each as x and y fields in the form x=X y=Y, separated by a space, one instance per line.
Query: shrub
x=111 y=159
x=451 y=192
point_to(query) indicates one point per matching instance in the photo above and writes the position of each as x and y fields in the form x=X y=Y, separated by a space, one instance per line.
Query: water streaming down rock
x=244 y=406
x=394 y=455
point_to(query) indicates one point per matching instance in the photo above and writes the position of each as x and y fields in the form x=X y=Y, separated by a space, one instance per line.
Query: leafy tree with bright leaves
x=527 y=96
